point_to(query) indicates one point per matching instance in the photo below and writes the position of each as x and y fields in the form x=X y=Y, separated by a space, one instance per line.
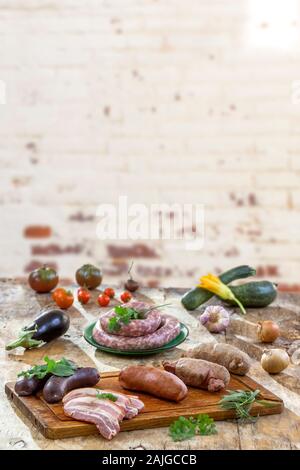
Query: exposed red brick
x=20 y=181
x=191 y=273
x=153 y=271
x=254 y=232
x=37 y=231
x=55 y=249
x=289 y=287
x=268 y=270
x=81 y=217
x=153 y=283
x=34 y=264
x=139 y=250
x=31 y=146
x=232 y=252
x=252 y=199
x=116 y=269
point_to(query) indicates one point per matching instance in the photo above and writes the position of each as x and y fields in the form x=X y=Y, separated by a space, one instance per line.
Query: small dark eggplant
x=26 y=386
x=57 y=387
x=47 y=326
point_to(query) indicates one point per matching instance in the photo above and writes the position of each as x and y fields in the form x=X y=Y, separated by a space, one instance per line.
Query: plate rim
x=183 y=330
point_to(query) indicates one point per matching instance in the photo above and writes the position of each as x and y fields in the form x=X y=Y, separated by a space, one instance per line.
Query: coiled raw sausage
x=140 y=327
x=169 y=329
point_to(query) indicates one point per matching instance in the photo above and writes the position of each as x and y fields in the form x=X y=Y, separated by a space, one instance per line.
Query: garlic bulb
x=274 y=360
x=215 y=318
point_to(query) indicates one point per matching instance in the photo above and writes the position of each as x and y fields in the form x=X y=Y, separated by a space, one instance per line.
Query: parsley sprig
x=126 y=314
x=186 y=428
x=61 y=368
x=106 y=396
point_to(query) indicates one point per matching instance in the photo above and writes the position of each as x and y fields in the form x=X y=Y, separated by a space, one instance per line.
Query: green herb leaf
x=36 y=371
x=126 y=314
x=106 y=396
x=240 y=401
x=186 y=428
x=62 y=368
x=205 y=426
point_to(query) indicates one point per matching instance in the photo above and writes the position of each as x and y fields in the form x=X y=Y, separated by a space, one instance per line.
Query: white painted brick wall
x=163 y=101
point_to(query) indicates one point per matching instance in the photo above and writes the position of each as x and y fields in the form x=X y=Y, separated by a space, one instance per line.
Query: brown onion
x=267 y=331
x=274 y=360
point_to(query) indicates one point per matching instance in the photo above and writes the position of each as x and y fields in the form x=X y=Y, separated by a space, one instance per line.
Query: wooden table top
x=19 y=305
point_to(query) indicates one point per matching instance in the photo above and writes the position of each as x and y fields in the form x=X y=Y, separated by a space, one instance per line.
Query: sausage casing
x=154 y=381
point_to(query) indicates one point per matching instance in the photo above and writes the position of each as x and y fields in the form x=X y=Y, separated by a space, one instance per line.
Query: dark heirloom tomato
x=43 y=279
x=89 y=276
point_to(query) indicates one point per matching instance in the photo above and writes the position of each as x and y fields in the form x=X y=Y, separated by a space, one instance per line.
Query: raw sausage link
x=139 y=327
x=169 y=329
x=154 y=381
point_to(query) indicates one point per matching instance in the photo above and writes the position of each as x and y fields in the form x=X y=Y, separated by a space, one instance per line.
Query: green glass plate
x=172 y=344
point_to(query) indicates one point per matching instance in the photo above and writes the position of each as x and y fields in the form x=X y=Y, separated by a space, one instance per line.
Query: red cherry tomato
x=103 y=300
x=125 y=297
x=57 y=292
x=110 y=292
x=63 y=298
x=83 y=295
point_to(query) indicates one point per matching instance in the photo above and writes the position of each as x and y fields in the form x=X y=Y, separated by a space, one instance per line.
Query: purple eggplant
x=48 y=326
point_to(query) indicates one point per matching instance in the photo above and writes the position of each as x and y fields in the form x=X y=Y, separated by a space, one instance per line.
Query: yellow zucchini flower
x=214 y=284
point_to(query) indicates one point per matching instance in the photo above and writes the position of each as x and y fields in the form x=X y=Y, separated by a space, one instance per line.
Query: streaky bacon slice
x=83 y=404
x=106 y=423
x=131 y=404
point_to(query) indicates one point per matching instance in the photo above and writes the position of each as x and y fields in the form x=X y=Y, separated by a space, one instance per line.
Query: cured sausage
x=154 y=381
x=199 y=373
x=169 y=329
x=140 y=327
x=235 y=360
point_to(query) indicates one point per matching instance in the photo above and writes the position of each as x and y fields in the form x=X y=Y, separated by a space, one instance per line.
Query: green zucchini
x=198 y=296
x=255 y=294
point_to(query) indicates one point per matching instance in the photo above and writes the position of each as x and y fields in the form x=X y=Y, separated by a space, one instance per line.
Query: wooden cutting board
x=53 y=424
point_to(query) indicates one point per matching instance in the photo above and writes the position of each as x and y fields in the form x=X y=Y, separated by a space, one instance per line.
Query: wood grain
x=19 y=305
x=51 y=421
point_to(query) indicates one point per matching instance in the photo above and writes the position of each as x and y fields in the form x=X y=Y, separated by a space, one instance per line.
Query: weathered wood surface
x=19 y=305
x=157 y=413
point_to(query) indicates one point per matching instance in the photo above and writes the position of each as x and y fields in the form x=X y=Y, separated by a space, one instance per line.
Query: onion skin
x=274 y=361
x=215 y=318
x=267 y=331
